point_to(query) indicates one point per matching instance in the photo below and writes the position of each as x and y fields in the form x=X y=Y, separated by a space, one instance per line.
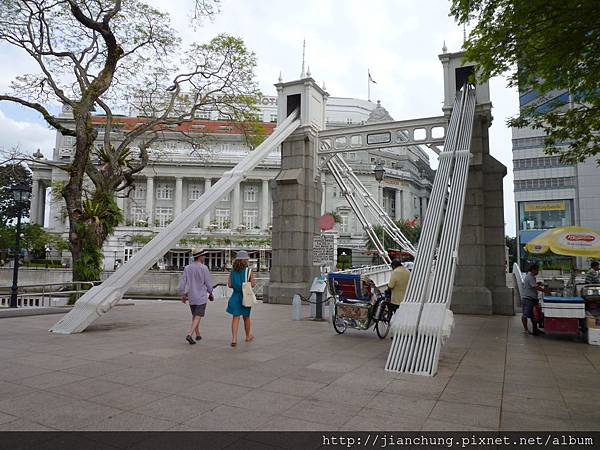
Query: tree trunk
x=75 y=248
x=88 y=232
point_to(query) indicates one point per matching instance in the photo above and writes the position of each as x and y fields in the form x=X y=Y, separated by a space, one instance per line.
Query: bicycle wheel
x=382 y=326
x=339 y=324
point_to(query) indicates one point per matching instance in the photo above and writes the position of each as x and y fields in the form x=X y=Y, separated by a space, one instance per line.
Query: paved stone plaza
x=132 y=370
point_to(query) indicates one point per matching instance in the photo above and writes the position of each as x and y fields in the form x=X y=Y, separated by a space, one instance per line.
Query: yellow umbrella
x=568 y=241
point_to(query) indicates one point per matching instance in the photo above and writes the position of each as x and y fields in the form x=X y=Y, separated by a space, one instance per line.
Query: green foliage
x=88 y=266
x=336 y=216
x=511 y=243
x=555 y=44
x=141 y=238
x=344 y=262
x=10 y=175
x=34 y=239
x=378 y=229
x=551 y=261
x=410 y=228
x=254 y=133
x=100 y=217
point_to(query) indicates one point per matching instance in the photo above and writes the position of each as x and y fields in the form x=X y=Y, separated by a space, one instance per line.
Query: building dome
x=379 y=114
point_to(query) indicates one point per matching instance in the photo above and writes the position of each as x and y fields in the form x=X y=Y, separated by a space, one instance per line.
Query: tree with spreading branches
x=110 y=56
x=548 y=47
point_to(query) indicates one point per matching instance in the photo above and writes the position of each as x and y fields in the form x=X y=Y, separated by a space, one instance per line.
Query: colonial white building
x=179 y=174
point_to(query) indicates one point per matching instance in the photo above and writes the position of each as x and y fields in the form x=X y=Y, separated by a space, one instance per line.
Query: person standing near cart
x=593 y=275
x=530 y=299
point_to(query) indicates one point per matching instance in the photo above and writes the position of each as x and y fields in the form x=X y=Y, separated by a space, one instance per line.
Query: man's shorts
x=198 y=310
x=527 y=305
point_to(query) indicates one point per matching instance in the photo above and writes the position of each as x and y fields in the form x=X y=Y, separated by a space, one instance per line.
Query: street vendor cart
x=563 y=314
x=591 y=295
x=569 y=312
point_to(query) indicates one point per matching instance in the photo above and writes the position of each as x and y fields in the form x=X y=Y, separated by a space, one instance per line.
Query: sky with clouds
x=398 y=42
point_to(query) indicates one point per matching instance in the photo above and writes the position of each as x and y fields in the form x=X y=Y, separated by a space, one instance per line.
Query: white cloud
x=27 y=136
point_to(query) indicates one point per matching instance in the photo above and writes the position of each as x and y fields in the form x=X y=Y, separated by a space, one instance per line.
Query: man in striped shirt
x=196 y=286
x=593 y=275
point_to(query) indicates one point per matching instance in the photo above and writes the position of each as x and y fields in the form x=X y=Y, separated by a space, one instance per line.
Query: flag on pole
x=371 y=78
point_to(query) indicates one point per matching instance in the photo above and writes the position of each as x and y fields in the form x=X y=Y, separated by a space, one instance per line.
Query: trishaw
x=358 y=304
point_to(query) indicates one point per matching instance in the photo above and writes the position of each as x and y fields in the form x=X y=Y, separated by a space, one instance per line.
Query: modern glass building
x=548 y=193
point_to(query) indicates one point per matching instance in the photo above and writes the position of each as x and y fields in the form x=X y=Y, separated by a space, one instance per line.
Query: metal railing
x=46 y=294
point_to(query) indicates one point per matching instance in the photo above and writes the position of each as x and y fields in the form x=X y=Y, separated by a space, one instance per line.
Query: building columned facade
x=549 y=193
x=179 y=173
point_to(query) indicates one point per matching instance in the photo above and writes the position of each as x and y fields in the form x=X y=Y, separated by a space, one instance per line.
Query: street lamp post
x=20 y=194
x=379 y=172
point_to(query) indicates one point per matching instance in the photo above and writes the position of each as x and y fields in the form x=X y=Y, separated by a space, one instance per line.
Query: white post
x=121 y=204
x=407 y=207
x=178 y=195
x=235 y=208
x=398 y=214
x=264 y=210
x=33 y=210
x=206 y=219
x=323 y=195
x=150 y=200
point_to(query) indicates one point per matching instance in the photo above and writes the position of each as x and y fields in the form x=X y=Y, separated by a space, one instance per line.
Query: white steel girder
x=361 y=201
x=423 y=319
x=373 y=136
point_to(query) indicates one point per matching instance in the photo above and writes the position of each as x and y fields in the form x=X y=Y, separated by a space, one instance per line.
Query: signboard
x=379 y=138
x=544 y=206
x=324 y=250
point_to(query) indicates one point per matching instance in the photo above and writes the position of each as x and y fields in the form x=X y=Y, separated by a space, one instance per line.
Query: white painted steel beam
x=362 y=202
x=351 y=198
x=383 y=135
x=100 y=299
x=423 y=320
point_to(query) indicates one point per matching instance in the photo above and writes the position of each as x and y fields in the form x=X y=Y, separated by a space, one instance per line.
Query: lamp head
x=21 y=192
x=379 y=172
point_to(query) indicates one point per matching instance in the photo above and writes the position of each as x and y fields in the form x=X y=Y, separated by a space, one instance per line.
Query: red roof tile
x=190 y=126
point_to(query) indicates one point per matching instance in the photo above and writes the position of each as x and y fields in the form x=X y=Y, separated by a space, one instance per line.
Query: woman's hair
x=239 y=264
